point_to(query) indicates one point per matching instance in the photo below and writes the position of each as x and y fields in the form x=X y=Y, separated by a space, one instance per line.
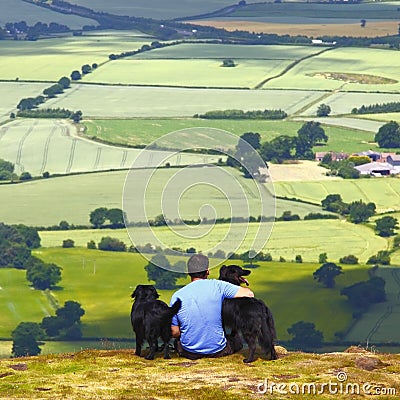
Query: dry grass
x=121 y=375
x=372 y=29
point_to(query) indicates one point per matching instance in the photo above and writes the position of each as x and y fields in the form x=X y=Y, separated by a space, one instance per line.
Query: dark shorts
x=233 y=345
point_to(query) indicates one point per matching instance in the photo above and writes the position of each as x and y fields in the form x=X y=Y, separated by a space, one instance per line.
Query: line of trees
x=377 y=108
x=33 y=32
x=240 y=114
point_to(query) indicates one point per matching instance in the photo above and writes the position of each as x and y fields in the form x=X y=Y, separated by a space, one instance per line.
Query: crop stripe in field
x=124 y=157
x=21 y=145
x=290 y=66
x=71 y=156
x=97 y=161
x=3 y=131
x=396 y=278
x=46 y=147
x=378 y=323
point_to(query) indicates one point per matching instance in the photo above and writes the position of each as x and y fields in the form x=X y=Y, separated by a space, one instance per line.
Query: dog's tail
x=268 y=333
x=169 y=312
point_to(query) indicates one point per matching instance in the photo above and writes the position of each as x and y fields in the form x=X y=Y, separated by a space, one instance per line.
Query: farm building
x=376 y=169
x=319 y=155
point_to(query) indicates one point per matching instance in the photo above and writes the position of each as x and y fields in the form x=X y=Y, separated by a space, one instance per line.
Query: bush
x=68 y=243
x=91 y=245
x=350 y=259
x=111 y=244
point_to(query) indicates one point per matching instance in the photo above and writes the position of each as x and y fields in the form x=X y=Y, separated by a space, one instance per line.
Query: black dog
x=248 y=315
x=151 y=319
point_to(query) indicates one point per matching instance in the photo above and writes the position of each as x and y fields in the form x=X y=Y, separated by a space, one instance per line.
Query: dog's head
x=145 y=292
x=234 y=274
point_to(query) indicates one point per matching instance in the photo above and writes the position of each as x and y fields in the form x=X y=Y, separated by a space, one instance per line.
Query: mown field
x=39 y=145
x=139 y=131
x=383 y=192
x=102 y=283
x=376 y=62
x=50 y=59
x=18 y=10
x=288 y=239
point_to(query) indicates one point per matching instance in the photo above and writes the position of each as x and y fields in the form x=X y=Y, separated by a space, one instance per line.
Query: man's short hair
x=197 y=265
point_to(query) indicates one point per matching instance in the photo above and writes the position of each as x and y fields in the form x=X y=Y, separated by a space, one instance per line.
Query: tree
x=29 y=235
x=386 y=226
x=323 y=258
x=305 y=335
x=327 y=274
x=98 y=217
x=77 y=116
x=25 y=176
x=350 y=259
x=116 y=217
x=111 y=244
x=65 y=82
x=333 y=203
x=43 y=276
x=388 y=135
x=86 y=69
x=362 y=294
x=278 y=149
x=360 y=211
x=76 y=75
x=159 y=271
x=312 y=133
x=382 y=257
x=25 y=339
x=253 y=139
x=68 y=243
x=323 y=110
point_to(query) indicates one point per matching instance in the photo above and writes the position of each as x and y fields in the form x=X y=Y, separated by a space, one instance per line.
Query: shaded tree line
x=390 y=107
x=33 y=32
x=240 y=114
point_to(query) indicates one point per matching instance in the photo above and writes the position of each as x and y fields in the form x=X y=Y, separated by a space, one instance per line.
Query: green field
x=50 y=59
x=307 y=74
x=383 y=192
x=102 y=284
x=18 y=10
x=39 y=145
x=141 y=131
x=288 y=239
x=156 y=8
x=160 y=102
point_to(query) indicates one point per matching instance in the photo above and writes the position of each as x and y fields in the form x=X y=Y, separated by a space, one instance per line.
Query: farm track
x=97 y=160
x=21 y=145
x=46 y=147
x=290 y=66
x=124 y=158
x=71 y=156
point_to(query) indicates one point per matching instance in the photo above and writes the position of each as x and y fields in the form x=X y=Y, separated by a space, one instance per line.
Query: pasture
x=40 y=145
x=158 y=9
x=142 y=131
x=309 y=73
x=307 y=238
x=50 y=59
x=165 y=102
x=72 y=198
x=18 y=10
x=107 y=309
x=383 y=192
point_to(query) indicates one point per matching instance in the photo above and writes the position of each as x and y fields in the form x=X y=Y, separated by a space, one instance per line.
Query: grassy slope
x=103 y=281
x=120 y=375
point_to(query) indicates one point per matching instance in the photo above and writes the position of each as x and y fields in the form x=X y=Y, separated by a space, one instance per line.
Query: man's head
x=198 y=266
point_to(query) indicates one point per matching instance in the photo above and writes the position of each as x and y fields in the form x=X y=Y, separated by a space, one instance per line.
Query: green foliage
x=53 y=90
x=350 y=259
x=65 y=82
x=43 y=276
x=298 y=259
x=25 y=176
x=91 y=245
x=68 y=243
x=29 y=234
x=288 y=216
x=360 y=211
x=47 y=113
x=100 y=215
x=386 y=226
x=86 y=69
x=305 y=335
x=278 y=149
x=323 y=110
x=25 y=339
x=362 y=294
x=359 y=160
x=76 y=75
x=6 y=170
x=382 y=257
x=240 y=114
x=390 y=107
x=327 y=273
x=334 y=203
x=111 y=244
x=388 y=135
x=159 y=271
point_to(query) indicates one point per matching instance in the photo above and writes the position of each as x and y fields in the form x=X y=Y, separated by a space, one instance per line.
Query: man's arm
x=175 y=331
x=244 y=292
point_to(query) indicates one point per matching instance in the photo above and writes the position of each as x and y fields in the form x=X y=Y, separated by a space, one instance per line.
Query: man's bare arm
x=244 y=292
x=175 y=331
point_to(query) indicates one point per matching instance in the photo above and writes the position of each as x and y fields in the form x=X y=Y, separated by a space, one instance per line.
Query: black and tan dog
x=151 y=319
x=249 y=316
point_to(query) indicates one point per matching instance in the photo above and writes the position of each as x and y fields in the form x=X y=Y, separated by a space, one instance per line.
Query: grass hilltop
x=119 y=374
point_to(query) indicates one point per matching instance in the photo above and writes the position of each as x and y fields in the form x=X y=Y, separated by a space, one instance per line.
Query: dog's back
x=247 y=315
x=151 y=319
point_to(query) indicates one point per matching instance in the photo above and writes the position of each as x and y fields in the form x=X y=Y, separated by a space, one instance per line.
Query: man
x=198 y=324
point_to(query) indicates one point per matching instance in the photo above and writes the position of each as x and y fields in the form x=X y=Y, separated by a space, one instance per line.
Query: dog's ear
x=133 y=294
x=222 y=271
x=156 y=295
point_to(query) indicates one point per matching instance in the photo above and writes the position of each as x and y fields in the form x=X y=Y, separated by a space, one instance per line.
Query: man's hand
x=175 y=331
x=244 y=292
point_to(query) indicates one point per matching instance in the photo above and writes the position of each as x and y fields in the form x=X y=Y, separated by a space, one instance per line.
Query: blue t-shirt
x=200 y=317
